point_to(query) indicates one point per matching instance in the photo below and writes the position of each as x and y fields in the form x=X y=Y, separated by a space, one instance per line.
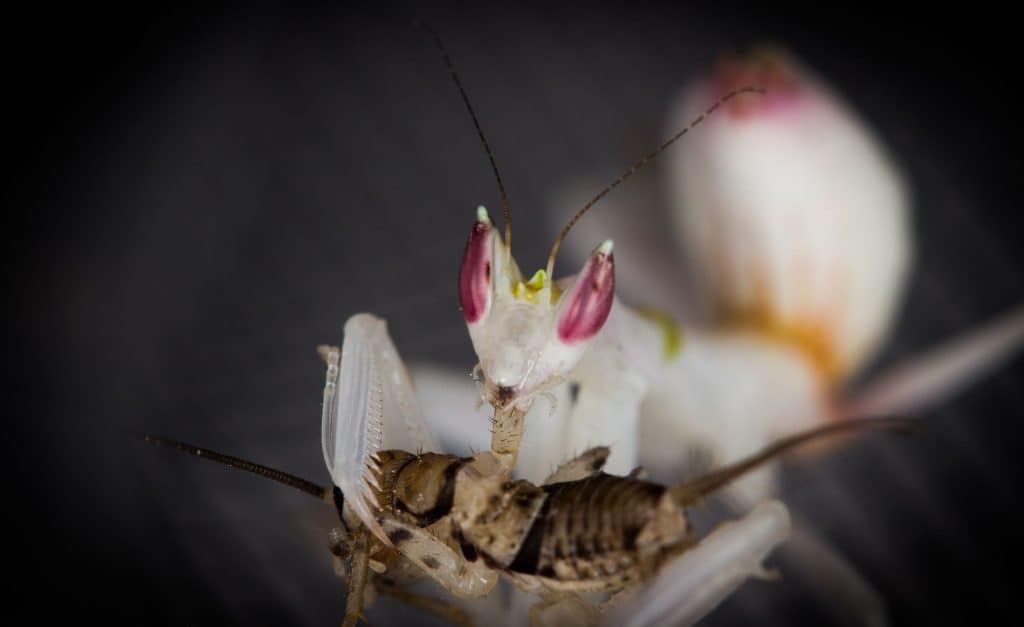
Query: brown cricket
x=462 y=522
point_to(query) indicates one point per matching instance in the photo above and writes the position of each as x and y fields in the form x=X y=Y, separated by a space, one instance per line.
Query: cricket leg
x=586 y=464
x=454 y=573
x=357 y=578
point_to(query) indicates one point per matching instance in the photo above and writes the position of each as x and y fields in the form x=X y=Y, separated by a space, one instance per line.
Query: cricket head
x=528 y=334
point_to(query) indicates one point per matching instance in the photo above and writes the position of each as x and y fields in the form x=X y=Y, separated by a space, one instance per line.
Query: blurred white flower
x=792 y=216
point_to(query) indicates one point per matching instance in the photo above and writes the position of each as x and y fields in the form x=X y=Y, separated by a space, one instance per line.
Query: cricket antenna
x=639 y=164
x=476 y=123
x=692 y=491
x=317 y=491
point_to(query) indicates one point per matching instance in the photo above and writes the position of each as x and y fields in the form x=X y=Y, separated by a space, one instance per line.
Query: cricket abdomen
x=600 y=533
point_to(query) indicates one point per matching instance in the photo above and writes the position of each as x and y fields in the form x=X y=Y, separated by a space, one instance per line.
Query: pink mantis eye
x=475 y=272
x=587 y=306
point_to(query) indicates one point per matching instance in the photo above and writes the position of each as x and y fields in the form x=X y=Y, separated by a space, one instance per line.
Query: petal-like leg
x=727 y=396
x=463 y=423
x=543 y=442
x=613 y=378
x=369 y=405
x=451 y=401
x=698 y=580
x=931 y=378
x=586 y=464
x=826 y=570
x=463 y=579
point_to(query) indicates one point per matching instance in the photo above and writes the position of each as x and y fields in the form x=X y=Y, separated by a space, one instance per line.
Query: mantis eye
x=475 y=272
x=586 y=307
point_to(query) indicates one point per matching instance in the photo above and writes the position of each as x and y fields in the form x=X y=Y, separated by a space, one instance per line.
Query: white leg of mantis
x=695 y=583
x=820 y=564
x=450 y=398
x=543 y=444
x=922 y=383
x=613 y=377
x=369 y=405
x=463 y=425
x=723 y=398
x=464 y=579
x=605 y=413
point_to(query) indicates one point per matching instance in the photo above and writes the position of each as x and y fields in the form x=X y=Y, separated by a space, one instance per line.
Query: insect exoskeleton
x=601 y=534
x=461 y=521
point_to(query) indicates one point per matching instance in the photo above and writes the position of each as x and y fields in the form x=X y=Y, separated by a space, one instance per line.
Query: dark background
x=200 y=197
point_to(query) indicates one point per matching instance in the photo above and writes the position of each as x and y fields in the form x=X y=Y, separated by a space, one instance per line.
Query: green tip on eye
x=481 y=214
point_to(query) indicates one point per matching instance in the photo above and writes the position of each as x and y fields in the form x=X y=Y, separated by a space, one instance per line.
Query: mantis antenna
x=639 y=164
x=476 y=123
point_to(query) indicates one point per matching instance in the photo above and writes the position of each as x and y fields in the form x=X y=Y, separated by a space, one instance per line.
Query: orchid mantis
x=803 y=299
x=795 y=221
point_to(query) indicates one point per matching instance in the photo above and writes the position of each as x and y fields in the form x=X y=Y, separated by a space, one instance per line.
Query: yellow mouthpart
x=530 y=290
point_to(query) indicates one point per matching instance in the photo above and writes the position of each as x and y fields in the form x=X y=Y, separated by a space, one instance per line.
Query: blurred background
x=209 y=194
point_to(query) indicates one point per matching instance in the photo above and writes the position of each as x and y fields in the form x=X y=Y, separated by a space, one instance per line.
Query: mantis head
x=528 y=334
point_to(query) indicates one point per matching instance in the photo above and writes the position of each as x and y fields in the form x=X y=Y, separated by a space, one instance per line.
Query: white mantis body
x=791 y=333
x=801 y=242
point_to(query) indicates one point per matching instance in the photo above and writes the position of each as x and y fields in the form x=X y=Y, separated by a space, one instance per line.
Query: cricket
x=462 y=522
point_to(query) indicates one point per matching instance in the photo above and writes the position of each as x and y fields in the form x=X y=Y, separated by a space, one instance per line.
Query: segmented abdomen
x=587 y=531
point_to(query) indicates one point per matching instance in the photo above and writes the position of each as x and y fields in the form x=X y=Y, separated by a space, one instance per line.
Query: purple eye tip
x=475 y=272
x=590 y=300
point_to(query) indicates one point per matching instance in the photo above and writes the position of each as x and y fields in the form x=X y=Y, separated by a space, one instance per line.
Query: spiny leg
x=358 y=573
x=507 y=434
